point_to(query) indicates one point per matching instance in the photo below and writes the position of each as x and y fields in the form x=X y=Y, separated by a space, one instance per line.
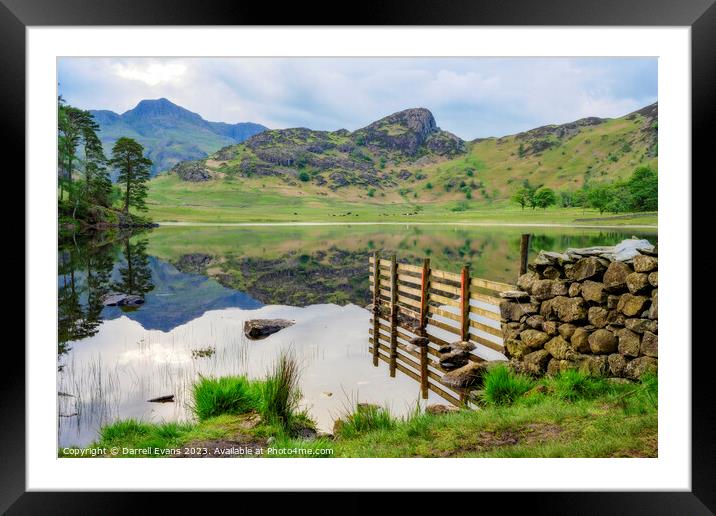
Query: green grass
x=280 y=394
x=226 y=395
x=502 y=387
x=571 y=415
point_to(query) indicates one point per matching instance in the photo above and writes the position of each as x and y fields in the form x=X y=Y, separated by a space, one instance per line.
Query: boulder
x=543 y=289
x=575 y=289
x=654 y=279
x=513 y=311
x=536 y=362
x=525 y=281
x=612 y=301
x=534 y=339
x=598 y=316
x=462 y=345
x=602 y=342
x=556 y=366
x=629 y=342
x=551 y=273
x=637 y=282
x=650 y=344
x=580 y=340
x=534 y=321
x=515 y=294
x=615 y=277
x=419 y=342
x=631 y=305
x=550 y=258
x=637 y=367
x=119 y=299
x=617 y=364
x=653 y=309
x=468 y=375
x=550 y=327
x=631 y=248
x=593 y=365
x=567 y=309
x=585 y=268
x=259 y=328
x=615 y=318
x=594 y=291
x=515 y=348
x=559 y=348
x=641 y=325
x=643 y=263
x=510 y=330
x=454 y=359
x=566 y=330
x=437 y=409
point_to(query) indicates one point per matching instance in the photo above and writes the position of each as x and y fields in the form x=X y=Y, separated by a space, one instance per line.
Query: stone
x=629 y=343
x=615 y=318
x=643 y=263
x=603 y=342
x=637 y=282
x=598 y=316
x=454 y=359
x=120 y=299
x=534 y=339
x=550 y=327
x=612 y=301
x=650 y=344
x=617 y=364
x=513 y=311
x=524 y=282
x=536 y=362
x=654 y=279
x=653 y=309
x=551 y=273
x=542 y=289
x=575 y=289
x=632 y=247
x=515 y=348
x=559 y=348
x=556 y=366
x=641 y=325
x=509 y=331
x=615 y=277
x=260 y=328
x=631 y=305
x=639 y=366
x=593 y=365
x=462 y=345
x=585 y=268
x=534 y=321
x=567 y=309
x=594 y=291
x=566 y=330
x=468 y=375
x=515 y=294
x=419 y=342
x=580 y=340
x=437 y=409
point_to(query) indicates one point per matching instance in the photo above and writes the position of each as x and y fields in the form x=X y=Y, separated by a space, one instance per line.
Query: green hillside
x=401 y=166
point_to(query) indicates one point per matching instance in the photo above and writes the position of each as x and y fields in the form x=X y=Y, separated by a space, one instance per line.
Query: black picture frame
x=699 y=15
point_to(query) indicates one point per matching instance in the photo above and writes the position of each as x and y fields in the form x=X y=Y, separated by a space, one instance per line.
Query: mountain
x=170 y=133
x=406 y=158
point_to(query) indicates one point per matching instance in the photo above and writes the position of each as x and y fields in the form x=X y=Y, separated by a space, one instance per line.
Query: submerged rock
x=119 y=299
x=259 y=328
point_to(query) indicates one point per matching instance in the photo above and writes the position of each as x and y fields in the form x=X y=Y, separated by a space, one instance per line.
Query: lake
x=200 y=284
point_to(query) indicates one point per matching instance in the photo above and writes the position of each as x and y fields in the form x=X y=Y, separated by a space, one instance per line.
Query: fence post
x=465 y=303
x=393 y=315
x=524 y=252
x=424 y=279
x=376 y=306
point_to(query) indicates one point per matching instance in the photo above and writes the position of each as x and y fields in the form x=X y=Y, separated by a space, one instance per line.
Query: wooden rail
x=412 y=301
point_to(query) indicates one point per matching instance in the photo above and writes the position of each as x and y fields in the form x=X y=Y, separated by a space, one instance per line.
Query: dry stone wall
x=591 y=309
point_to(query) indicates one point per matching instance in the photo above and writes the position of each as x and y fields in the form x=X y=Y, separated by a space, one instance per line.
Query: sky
x=470 y=97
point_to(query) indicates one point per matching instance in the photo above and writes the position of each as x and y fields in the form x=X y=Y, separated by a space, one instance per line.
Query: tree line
x=637 y=193
x=84 y=171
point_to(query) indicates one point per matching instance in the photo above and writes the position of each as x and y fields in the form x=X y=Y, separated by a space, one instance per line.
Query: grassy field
x=570 y=415
x=246 y=201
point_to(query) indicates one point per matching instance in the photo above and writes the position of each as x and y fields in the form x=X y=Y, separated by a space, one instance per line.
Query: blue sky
x=471 y=97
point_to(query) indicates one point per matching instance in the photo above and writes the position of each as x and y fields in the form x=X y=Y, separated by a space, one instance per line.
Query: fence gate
x=417 y=301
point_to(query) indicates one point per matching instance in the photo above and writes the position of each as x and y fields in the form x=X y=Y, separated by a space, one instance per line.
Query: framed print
x=424 y=243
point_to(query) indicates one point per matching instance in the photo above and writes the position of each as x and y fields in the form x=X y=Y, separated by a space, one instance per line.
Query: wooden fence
x=417 y=301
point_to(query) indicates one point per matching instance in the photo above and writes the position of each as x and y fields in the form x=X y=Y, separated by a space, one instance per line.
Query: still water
x=201 y=283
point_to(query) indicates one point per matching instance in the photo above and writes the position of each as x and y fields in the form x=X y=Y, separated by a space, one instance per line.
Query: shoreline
x=456 y=223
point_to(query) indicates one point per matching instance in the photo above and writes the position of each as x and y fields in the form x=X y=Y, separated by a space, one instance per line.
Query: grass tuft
x=502 y=387
x=572 y=385
x=366 y=418
x=280 y=394
x=225 y=395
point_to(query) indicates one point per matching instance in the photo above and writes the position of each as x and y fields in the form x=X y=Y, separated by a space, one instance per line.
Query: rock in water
x=259 y=328
x=119 y=299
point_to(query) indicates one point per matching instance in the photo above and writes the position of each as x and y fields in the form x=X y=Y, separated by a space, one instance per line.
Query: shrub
x=428 y=186
x=501 y=386
x=304 y=176
x=371 y=192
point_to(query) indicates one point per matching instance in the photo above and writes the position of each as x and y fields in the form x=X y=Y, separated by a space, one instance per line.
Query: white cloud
x=151 y=74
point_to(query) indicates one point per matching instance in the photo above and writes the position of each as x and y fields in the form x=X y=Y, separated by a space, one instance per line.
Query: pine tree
x=128 y=158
